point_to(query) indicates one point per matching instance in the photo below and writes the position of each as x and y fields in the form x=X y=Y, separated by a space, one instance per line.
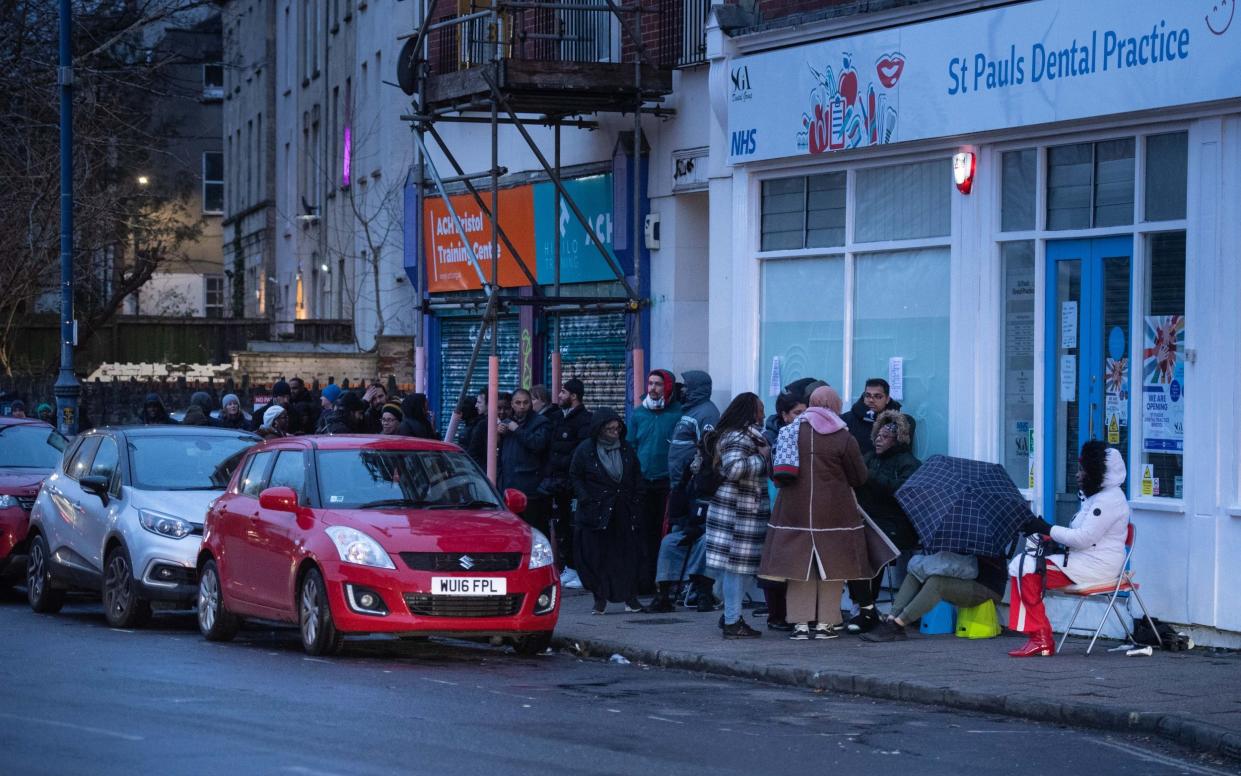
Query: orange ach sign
x=448 y=262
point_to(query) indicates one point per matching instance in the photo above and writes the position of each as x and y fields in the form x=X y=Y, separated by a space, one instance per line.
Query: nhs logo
x=744 y=142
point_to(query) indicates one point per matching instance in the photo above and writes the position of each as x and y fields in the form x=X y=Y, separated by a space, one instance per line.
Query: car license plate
x=469 y=586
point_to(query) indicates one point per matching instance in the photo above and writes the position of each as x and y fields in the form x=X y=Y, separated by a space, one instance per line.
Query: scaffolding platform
x=550 y=88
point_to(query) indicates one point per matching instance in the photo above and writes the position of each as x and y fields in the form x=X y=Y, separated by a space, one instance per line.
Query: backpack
x=706 y=467
x=1173 y=641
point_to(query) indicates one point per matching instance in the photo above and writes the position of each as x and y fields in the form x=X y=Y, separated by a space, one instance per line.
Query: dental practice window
x=1017 y=362
x=1163 y=398
x=1167 y=163
x=901 y=307
x=803 y=303
x=1090 y=184
x=903 y=202
x=803 y=212
x=1018 y=181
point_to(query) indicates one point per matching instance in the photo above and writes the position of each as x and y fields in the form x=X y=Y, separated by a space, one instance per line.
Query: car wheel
x=43 y=598
x=122 y=604
x=319 y=634
x=214 y=621
x=534 y=644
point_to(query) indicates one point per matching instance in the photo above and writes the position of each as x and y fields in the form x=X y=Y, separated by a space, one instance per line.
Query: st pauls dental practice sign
x=1034 y=63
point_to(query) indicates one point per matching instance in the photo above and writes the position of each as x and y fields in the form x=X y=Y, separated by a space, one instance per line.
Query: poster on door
x=1163 y=384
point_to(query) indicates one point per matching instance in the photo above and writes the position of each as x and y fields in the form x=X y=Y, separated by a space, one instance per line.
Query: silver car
x=122 y=515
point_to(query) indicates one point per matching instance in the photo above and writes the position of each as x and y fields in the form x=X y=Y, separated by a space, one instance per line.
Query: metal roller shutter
x=457 y=343
x=592 y=349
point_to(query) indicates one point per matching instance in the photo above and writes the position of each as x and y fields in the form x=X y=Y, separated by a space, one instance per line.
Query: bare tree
x=369 y=231
x=123 y=232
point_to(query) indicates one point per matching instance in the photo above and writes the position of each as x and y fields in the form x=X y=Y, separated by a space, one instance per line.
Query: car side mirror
x=279 y=499
x=97 y=485
x=515 y=501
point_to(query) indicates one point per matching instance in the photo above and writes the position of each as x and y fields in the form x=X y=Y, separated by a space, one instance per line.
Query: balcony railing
x=687 y=29
x=573 y=31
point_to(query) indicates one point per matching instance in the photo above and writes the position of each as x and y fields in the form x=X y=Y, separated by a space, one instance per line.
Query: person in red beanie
x=650 y=430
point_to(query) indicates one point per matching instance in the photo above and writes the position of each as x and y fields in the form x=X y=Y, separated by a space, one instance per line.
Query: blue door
x=1086 y=393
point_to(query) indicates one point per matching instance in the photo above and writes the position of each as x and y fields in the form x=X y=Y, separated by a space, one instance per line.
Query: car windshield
x=185 y=462
x=30 y=447
x=422 y=479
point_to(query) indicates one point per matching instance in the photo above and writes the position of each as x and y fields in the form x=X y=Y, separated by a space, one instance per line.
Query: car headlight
x=540 y=550
x=356 y=547
x=8 y=502
x=165 y=525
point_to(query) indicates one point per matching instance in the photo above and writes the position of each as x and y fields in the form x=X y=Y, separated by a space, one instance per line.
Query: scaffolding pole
x=478 y=200
x=500 y=101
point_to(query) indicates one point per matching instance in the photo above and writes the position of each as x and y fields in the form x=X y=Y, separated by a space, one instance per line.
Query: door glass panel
x=1112 y=426
x=1090 y=335
x=1067 y=415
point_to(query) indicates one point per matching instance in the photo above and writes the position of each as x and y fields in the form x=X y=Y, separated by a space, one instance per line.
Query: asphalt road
x=79 y=698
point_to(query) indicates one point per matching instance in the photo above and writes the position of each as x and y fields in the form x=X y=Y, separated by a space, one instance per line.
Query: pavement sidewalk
x=1192 y=698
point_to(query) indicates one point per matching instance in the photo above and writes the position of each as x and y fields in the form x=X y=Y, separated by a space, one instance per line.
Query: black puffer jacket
x=573 y=428
x=886 y=474
x=598 y=494
x=335 y=421
x=304 y=411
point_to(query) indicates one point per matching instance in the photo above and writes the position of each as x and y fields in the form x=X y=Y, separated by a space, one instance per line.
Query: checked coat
x=738 y=513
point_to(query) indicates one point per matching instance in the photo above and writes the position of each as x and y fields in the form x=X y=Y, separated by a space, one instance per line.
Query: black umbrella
x=959 y=505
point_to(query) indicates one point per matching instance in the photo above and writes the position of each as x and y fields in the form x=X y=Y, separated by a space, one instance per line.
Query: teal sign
x=580 y=260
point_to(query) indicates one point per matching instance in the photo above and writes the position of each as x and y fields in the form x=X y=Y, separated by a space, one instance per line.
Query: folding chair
x=1123 y=586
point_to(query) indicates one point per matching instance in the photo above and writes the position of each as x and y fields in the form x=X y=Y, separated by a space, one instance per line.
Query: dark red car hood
x=436 y=531
x=22 y=482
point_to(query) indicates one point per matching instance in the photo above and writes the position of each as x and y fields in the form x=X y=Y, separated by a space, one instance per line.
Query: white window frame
x=207 y=306
x=1140 y=230
x=851 y=249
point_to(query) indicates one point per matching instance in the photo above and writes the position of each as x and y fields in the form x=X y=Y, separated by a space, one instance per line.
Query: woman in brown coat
x=816 y=539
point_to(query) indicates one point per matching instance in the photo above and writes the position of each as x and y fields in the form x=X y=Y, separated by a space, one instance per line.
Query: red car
x=348 y=535
x=29 y=451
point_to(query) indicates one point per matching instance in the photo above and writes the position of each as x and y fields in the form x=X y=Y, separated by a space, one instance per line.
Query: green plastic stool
x=978 y=622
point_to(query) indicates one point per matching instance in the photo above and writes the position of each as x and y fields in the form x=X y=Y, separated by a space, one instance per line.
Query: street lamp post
x=67 y=389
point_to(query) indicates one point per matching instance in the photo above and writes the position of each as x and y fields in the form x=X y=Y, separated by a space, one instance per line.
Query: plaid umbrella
x=959 y=505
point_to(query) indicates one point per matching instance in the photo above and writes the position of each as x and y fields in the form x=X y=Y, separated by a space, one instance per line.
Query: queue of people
x=702 y=509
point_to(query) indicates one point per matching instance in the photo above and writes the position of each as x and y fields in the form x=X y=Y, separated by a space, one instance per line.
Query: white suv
x=122 y=515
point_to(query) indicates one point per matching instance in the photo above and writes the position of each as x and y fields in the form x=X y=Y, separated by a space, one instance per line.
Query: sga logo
x=740 y=77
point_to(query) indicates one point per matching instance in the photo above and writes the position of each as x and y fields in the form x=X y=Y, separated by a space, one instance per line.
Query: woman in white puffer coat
x=1095 y=539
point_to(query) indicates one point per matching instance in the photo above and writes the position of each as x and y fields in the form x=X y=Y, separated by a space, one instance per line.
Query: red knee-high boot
x=1027 y=615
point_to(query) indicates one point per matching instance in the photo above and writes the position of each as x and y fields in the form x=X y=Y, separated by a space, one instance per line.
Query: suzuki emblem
x=466 y=562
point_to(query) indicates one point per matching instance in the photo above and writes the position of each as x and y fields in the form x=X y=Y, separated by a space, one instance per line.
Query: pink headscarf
x=824 y=412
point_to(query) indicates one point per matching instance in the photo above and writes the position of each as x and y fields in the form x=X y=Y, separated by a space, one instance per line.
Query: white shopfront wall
x=1087 y=285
